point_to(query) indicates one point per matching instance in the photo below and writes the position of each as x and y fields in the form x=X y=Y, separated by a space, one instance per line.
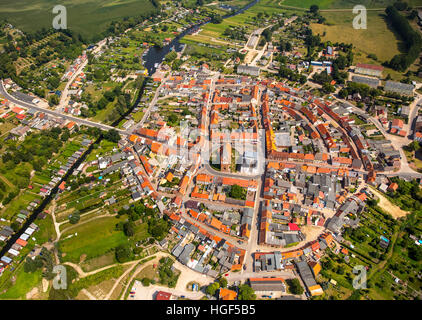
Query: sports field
x=88 y=17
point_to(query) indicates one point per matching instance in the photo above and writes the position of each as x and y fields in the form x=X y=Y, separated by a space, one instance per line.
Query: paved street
x=31 y=105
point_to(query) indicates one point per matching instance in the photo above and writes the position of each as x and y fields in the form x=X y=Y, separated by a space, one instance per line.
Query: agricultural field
x=377 y=39
x=88 y=17
x=341 y=4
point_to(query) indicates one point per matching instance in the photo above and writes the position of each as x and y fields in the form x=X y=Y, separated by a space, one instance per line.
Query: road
x=65 y=92
x=412 y=116
x=58 y=114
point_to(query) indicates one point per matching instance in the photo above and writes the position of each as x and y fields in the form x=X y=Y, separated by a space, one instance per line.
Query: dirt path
x=389 y=207
x=88 y=294
x=139 y=269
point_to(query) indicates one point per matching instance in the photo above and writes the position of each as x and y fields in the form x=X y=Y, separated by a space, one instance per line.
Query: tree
x=415 y=253
x=223 y=282
x=129 y=228
x=314 y=8
x=212 y=288
x=246 y=293
x=74 y=217
x=328 y=88
x=54 y=100
x=294 y=286
x=237 y=192
x=146 y=282
x=217 y=19
x=112 y=135
x=123 y=253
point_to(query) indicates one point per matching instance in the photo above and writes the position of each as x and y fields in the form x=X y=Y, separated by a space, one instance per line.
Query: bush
x=74 y=217
x=294 y=286
x=123 y=253
x=146 y=282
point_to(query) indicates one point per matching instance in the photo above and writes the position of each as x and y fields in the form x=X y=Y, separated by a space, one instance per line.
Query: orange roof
x=216 y=223
x=183 y=184
x=62 y=185
x=156 y=147
x=193 y=213
x=21 y=242
x=70 y=125
x=239 y=182
x=227 y=294
x=204 y=178
x=169 y=177
x=17 y=110
x=393 y=186
x=323 y=170
x=133 y=138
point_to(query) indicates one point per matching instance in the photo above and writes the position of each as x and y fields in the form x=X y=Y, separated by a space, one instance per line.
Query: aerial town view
x=211 y=150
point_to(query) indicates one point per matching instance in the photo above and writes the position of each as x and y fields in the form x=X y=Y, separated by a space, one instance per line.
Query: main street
x=30 y=105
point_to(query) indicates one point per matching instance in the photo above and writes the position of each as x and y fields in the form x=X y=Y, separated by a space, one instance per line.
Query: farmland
x=377 y=39
x=88 y=17
x=340 y=4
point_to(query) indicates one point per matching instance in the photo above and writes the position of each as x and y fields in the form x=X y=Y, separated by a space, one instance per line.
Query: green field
x=340 y=4
x=89 y=17
x=377 y=38
x=95 y=238
x=24 y=283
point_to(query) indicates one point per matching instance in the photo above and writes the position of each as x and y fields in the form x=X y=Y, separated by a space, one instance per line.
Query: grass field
x=377 y=38
x=340 y=4
x=24 y=283
x=89 y=17
x=94 y=239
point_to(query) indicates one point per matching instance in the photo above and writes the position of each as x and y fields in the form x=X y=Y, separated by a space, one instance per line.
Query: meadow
x=93 y=239
x=377 y=38
x=88 y=17
x=342 y=4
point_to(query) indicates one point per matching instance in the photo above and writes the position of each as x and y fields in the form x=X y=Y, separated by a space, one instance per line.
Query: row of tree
x=411 y=38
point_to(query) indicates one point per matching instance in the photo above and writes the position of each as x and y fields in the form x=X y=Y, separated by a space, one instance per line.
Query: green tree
x=146 y=282
x=237 y=192
x=123 y=253
x=74 y=217
x=112 y=135
x=294 y=286
x=314 y=8
x=129 y=228
x=212 y=288
x=246 y=293
x=223 y=282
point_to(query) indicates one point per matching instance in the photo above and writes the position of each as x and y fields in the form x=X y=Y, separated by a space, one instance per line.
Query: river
x=154 y=55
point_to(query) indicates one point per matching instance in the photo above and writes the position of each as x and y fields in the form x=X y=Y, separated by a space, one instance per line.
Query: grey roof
x=398 y=87
x=306 y=273
x=269 y=284
x=185 y=255
x=372 y=82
